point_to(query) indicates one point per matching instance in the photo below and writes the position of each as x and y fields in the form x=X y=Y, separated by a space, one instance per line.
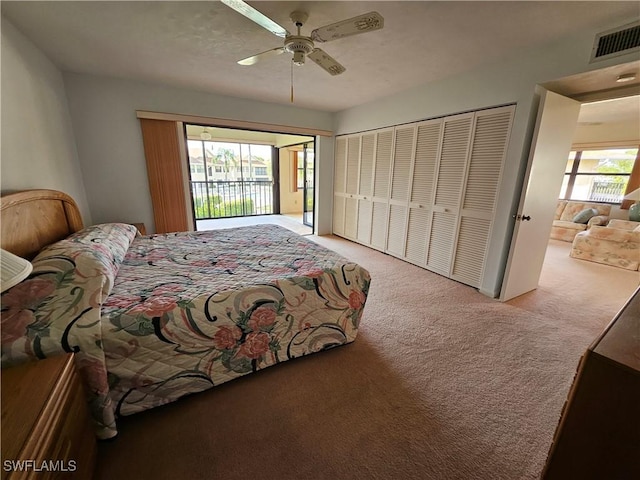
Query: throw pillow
x=585 y=215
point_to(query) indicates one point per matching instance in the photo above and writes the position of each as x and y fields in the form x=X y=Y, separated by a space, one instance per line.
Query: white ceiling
x=195 y=45
x=619 y=110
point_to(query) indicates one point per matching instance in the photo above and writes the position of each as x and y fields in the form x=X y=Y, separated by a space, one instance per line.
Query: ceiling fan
x=301 y=46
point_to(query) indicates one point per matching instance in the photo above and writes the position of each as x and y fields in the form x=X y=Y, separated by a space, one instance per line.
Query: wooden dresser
x=598 y=436
x=45 y=421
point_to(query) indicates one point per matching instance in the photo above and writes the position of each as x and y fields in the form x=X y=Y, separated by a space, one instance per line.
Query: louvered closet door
x=403 y=149
x=422 y=191
x=488 y=149
x=450 y=176
x=339 y=184
x=351 y=201
x=365 y=187
x=381 y=188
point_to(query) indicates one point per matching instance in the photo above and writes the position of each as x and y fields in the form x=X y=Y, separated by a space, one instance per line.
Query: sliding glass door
x=309 y=184
x=230 y=179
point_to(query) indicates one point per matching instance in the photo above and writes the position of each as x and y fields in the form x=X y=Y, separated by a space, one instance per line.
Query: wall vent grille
x=619 y=41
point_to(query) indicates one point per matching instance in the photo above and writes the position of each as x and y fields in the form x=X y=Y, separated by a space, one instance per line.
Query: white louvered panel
x=487 y=157
x=395 y=234
x=340 y=172
x=379 y=226
x=425 y=162
x=351 y=218
x=443 y=230
x=366 y=164
x=364 y=221
x=338 y=215
x=417 y=229
x=353 y=155
x=470 y=251
x=453 y=159
x=402 y=155
x=384 y=144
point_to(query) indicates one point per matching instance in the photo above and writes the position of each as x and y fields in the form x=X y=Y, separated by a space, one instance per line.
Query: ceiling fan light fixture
x=298 y=58
x=626 y=77
x=205 y=135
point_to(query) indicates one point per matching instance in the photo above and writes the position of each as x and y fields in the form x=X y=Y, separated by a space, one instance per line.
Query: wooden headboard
x=32 y=219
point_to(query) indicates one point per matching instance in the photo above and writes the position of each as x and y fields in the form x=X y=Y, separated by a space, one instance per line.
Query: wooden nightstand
x=45 y=418
x=141 y=228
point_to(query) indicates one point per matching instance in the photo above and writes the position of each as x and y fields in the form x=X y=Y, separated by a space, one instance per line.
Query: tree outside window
x=598 y=175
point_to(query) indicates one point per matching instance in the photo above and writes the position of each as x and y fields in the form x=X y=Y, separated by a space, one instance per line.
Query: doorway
x=237 y=178
x=579 y=89
x=297 y=183
x=308 y=193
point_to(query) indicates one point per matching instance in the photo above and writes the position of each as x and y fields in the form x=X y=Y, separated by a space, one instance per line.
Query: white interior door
x=403 y=151
x=381 y=183
x=551 y=143
x=365 y=186
x=451 y=171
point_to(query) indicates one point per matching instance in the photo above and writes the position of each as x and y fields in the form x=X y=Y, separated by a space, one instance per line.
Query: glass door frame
x=309 y=189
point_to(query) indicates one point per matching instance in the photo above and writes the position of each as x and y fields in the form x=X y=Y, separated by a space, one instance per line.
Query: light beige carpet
x=441 y=383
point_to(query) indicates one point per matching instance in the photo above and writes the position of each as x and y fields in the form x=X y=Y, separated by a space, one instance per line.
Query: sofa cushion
x=598 y=220
x=585 y=215
x=559 y=209
x=573 y=208
x=623 y=224
x=569 y=225
x=614 y=234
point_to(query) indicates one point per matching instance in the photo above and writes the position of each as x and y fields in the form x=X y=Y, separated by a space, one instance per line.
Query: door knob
x=524 y=218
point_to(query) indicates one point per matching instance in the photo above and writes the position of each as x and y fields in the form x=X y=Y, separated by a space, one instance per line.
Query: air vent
x=619 y=41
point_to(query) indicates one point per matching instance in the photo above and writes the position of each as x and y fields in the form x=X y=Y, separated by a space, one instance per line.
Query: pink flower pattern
x=255 y=345
x=226 y=338
x=262 y=317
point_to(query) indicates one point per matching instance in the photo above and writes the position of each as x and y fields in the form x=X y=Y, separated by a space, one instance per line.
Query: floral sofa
x=617 y=244
x=565 y=227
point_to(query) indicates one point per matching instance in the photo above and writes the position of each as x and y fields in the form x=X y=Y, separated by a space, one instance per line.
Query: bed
x=154 y=318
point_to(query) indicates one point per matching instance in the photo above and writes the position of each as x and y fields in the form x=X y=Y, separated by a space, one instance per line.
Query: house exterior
x=106 y=174
x=217 y=171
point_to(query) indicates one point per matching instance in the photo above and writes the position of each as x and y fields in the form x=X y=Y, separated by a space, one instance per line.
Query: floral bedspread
x=192 y=310
x=179 y=313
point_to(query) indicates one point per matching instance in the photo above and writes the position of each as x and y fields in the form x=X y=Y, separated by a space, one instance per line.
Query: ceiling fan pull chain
x=291 y=81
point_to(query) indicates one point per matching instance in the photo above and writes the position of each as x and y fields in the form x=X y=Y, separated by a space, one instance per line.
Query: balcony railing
x=222 y=199
x=607 y=191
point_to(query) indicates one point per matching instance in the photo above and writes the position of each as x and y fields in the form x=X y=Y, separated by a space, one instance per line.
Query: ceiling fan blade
x=252 y=14
x=261 y=56
x=326 y=62
x=366 y=22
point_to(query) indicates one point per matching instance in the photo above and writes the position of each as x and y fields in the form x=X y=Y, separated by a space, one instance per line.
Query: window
x=196 y=168
x=300 y=170
x=262 y=171
x=218 y=168
x=598 y=175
